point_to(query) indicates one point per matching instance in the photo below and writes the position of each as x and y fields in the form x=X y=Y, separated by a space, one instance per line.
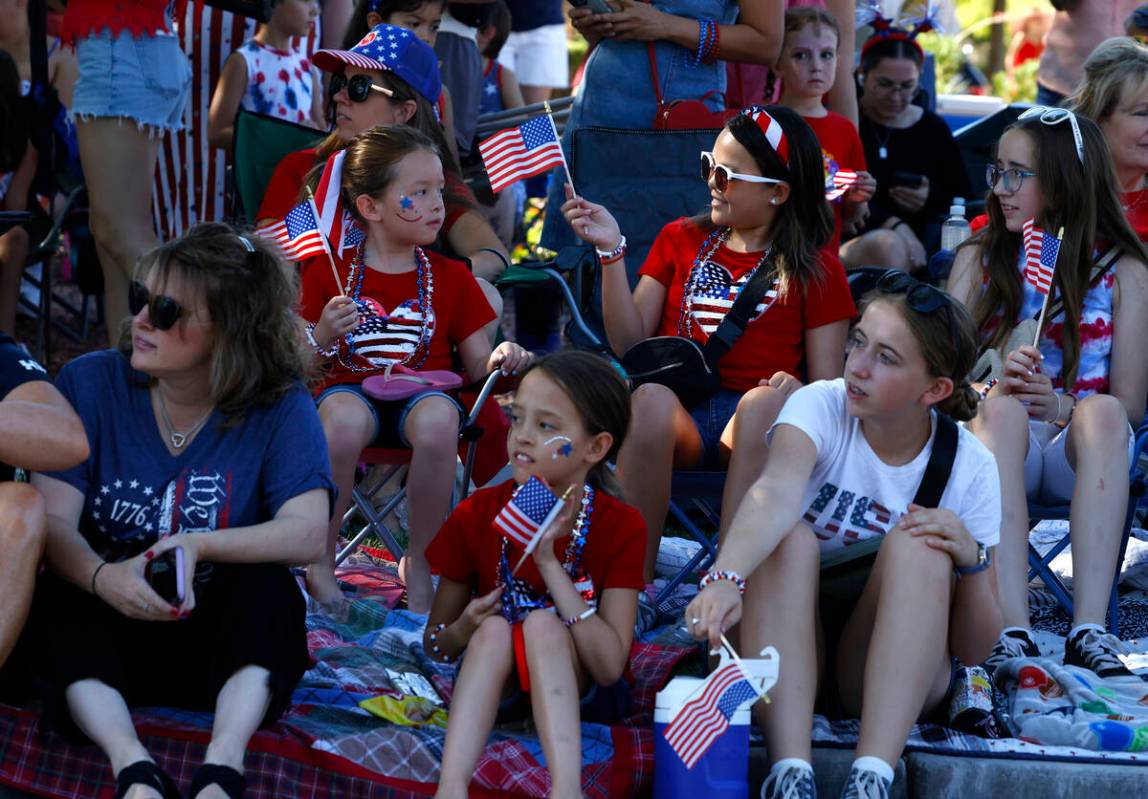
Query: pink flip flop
x=403 y=383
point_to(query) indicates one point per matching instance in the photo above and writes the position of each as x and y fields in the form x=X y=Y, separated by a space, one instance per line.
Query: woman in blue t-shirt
x=203 y=440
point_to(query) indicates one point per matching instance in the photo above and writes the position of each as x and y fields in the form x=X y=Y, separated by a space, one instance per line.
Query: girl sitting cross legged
x=768 y=211
x=561 y=627
x=397 y=305
x=846 y=462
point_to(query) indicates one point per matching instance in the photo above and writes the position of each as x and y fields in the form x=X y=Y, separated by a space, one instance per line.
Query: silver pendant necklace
x=177 y=439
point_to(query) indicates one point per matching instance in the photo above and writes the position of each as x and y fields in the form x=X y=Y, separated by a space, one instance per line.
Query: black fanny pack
x=688 y=368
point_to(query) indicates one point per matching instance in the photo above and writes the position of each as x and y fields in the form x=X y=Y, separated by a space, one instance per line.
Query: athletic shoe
x=865 y=784
x=794 y=782
x=1096 y=652
x=1013 y=644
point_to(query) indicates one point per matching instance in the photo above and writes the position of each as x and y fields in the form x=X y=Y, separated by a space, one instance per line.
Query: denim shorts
x=390 y=417
x=145 y=79
x=711 y=418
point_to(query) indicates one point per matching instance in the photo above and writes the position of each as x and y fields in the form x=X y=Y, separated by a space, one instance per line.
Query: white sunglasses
x=1054 y=116
x=722 y=174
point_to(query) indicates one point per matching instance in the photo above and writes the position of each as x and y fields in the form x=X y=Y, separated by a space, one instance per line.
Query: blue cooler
x=721 y=773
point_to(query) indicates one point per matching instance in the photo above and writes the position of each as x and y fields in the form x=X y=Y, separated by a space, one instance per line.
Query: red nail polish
x=175 y=613
x=149 y=555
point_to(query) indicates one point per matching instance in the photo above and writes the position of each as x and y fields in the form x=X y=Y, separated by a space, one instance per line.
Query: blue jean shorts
x=390 y=417
x=711 y=418
x=145 y=79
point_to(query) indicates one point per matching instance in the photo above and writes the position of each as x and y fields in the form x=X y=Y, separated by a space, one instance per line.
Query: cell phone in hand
x=597 y=6
x=165 y=574
x=911 y=180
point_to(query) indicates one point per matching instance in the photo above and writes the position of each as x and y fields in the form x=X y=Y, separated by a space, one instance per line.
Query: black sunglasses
x=921 y=297
x=358 y=87
x=163 y=312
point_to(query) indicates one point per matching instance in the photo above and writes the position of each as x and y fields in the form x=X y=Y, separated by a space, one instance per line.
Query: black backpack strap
x=737 y=317
x=1102 y=266
x=940 y=466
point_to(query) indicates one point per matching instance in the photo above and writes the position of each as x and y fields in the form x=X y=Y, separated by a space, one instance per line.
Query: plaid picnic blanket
x=327 y=745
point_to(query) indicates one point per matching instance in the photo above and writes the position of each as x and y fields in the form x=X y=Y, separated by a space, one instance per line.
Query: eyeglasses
x=1013 y=178
x=359 y=87
x=163 y=312
x=1054 y=116
x=921 y=297
x=722 y=174
x=892 y=87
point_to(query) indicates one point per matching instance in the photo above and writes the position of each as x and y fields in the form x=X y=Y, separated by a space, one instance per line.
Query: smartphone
x=597 y=6
x=165 y=574
x=910 y=179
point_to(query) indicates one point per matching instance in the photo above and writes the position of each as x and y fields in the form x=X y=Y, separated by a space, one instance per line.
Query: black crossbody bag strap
x=738 y=316
x=1103 y=264
x=940 y=465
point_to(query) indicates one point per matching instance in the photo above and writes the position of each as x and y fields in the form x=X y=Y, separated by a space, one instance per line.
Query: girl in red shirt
x=564 y=621
x=395 y=306
x=768 y=210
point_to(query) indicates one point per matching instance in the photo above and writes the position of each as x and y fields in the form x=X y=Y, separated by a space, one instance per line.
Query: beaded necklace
x=716 y=238
x=424 y=280
x=520 y=597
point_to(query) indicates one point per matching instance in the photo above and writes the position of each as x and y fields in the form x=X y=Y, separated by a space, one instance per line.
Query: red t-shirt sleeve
x=451 y=553
x=455 y=209
x=627 y=530
x=660 y=263
x=469 y=310
x=856 y=151
x=282 y=192
x=317 y=286
x=829 y=300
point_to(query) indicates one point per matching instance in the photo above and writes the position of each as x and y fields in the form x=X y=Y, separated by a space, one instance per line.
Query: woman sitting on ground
x=204 y=440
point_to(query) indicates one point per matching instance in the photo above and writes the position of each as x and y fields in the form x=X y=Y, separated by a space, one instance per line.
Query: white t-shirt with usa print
x=852 y=495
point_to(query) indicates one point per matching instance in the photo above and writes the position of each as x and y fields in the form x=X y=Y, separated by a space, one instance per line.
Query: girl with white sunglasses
x=1085 y=382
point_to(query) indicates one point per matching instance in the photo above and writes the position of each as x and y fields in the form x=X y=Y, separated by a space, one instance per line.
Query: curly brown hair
x=250 y=295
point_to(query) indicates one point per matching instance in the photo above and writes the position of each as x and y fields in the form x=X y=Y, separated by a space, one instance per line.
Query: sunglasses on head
x=1054 y=116
x=359 y=87
x=163 y=312
x=722 y=174
x=921 y=297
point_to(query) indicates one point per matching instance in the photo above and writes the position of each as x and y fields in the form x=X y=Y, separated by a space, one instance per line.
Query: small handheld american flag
x=297 y=236
x=1040 y=251
x=840 y=182
x=529 y=511
x=707 y=715
x=522 y=152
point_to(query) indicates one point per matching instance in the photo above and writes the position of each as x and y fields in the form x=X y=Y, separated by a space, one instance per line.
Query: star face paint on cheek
x=407 y=211
x=565 y=450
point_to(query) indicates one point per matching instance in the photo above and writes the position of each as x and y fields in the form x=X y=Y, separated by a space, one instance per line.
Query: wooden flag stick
x=1048 y=294
x=542 y=528
x=326 y=245
x=557 y=138
x=729 y=647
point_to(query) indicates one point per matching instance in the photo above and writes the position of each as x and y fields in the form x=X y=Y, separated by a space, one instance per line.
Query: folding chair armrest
x=487 y=384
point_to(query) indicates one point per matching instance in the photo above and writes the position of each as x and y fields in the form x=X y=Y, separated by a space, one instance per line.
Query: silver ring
x=147 y=607
x=695 y=620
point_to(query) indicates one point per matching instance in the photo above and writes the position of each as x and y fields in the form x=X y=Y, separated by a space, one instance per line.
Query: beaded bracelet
x=707 y=36
x=715 y=47
x=614 y=255
x=714 y=576
x=989 y=386
x=587 y=613
x=330 y=352
x=436 y=650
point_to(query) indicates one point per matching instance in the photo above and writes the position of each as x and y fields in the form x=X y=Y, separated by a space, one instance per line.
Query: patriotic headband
x=916 y=18
x=771 y=128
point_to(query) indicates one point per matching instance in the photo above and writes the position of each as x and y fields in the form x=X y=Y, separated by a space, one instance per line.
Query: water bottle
x=956 y=228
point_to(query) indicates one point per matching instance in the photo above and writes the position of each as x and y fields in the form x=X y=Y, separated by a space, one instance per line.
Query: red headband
x=772 y=130
x=890 y=34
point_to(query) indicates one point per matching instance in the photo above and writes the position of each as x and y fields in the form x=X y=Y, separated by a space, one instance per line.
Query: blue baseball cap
x=391 y=49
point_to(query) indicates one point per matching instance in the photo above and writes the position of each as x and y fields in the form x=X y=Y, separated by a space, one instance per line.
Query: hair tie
x=771 y=128
x=247 y=245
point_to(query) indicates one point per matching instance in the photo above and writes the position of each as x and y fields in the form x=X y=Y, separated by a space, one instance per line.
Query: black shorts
x=245 y=615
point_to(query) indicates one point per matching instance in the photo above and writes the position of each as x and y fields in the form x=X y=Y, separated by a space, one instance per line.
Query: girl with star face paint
x=400 y=308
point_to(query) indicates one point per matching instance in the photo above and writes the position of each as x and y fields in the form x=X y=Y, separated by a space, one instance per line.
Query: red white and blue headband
x=772 y=130
x=916 y=18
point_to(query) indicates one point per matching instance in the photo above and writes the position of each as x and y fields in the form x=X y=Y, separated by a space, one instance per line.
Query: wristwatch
x=984 y=560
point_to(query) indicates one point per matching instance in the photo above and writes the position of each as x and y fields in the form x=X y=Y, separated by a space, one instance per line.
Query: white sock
x=1086 y=626
x=877 y=766
x=790 y=762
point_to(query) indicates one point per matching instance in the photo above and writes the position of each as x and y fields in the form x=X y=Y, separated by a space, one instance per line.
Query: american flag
x=297 y=236
x=385 y=340
x=529 y=511
x=516 y=153
x=702 y=719
x=840 y=182
x=1040 y=251
x=715 y=292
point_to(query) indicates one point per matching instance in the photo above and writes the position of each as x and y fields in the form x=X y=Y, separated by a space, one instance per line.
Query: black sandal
x=145 y=772
x=230 y=781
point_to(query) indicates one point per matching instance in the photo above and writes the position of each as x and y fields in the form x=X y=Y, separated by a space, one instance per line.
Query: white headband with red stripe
x=772 y=130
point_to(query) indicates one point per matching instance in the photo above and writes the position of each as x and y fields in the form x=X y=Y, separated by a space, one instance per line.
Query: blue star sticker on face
x=406 y=202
